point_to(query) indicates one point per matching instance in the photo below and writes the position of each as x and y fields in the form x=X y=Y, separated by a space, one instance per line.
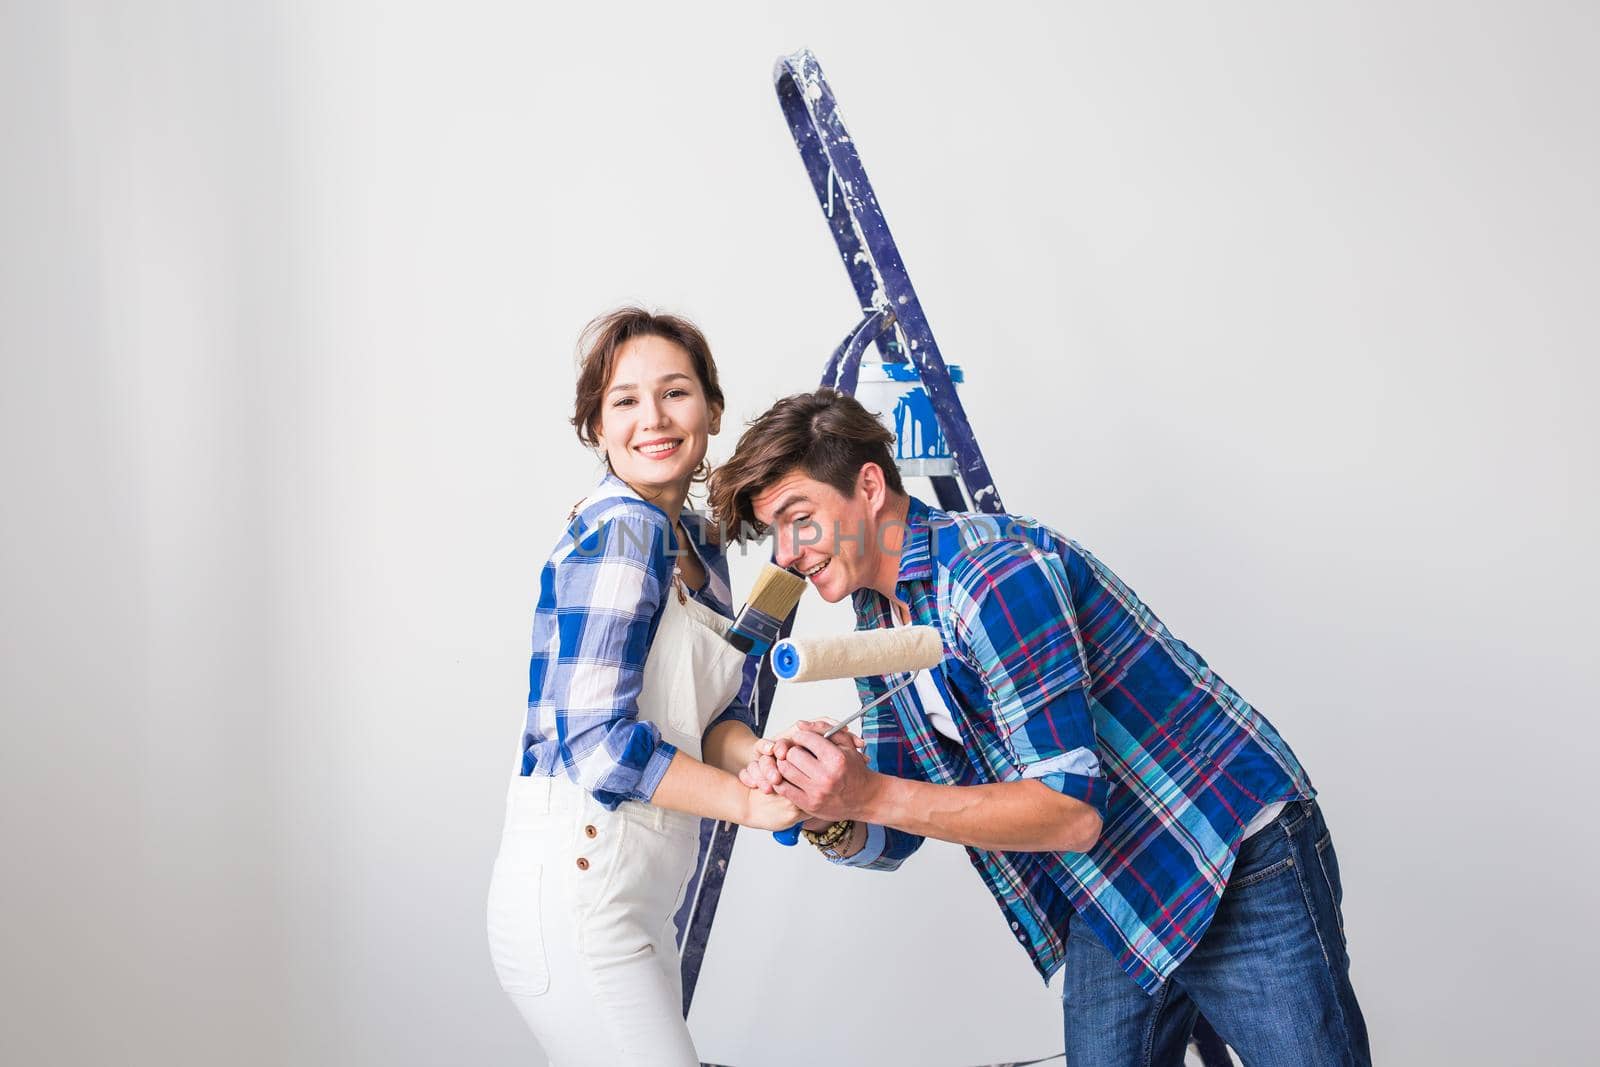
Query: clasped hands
x=828 y=778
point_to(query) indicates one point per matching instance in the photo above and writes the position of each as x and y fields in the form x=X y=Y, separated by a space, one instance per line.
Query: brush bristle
x=776 y=591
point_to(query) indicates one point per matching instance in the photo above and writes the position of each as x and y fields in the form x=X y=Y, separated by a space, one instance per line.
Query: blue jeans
x=1271 y=974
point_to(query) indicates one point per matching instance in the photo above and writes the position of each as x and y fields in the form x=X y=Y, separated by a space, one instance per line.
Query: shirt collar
x=916 y=556
x=916 y=565
x=615 y=486
x=696 y=524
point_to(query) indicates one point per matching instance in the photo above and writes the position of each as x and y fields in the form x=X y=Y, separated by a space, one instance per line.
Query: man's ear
x=869 y=481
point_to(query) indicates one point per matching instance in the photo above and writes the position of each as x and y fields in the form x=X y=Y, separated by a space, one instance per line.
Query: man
x=1139 y=823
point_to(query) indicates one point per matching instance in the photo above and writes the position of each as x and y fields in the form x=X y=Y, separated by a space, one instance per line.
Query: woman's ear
x=716 y=420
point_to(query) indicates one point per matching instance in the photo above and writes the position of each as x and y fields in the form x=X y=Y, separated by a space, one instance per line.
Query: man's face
x=830 y=538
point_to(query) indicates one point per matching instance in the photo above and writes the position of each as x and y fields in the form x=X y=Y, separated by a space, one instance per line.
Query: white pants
x=580 y=924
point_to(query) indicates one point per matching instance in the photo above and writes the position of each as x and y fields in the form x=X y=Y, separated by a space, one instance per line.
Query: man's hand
x=827 y=777
x=762 y=772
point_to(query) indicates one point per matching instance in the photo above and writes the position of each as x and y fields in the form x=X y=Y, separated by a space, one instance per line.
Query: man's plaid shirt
x=1054 y=670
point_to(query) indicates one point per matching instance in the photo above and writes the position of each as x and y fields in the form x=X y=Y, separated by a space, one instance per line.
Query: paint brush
x=772 y=598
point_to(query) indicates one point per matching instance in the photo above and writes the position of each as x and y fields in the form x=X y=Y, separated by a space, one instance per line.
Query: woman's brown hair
x=827 y=435
x=604 y=337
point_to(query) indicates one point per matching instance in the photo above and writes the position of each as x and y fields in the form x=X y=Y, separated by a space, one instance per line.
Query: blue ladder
x=892 y=316
x=893 y=321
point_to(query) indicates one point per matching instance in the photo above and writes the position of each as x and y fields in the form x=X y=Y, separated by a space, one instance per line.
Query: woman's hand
x=760 y=774
x=775 y=746
x=768 y=811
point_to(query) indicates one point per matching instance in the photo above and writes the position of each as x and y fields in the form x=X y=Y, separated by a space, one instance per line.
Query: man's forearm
x=1003 y=816
x=836 y=782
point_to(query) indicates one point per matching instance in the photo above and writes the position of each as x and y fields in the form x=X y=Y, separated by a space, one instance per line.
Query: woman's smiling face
x=654 y=419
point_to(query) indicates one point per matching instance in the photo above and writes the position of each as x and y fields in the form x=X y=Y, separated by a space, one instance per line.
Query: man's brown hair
x=826 y=435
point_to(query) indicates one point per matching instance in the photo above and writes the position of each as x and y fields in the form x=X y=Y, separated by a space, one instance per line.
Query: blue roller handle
x=785 y=661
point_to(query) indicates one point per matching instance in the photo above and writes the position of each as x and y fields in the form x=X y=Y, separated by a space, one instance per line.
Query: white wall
x=1280 y=311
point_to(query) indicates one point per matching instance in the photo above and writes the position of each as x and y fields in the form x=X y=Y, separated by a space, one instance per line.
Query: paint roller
x=855 y=655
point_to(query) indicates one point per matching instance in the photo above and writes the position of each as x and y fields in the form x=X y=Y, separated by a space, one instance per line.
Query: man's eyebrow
x=788 y=502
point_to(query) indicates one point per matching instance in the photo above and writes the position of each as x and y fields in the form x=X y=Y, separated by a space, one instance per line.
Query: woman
x=638 y=716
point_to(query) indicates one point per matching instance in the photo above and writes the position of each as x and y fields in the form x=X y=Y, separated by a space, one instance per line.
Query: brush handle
x=753 y=631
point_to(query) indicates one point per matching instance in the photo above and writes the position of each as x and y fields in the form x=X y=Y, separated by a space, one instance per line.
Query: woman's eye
x=623 y=402
x=677 y=392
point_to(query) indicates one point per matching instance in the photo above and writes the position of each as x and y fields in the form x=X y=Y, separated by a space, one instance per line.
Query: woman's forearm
x=729 y=746
x=703 y=790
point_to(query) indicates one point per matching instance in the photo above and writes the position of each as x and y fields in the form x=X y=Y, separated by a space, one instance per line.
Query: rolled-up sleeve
x=1012 y=614
x=884 y=850
x=608 y=590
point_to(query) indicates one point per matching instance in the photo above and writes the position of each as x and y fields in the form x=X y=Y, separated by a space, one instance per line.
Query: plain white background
x=1286 y=311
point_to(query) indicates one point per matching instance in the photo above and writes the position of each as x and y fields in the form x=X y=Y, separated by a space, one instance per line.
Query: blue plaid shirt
x=1054 y=670
x=600 y=597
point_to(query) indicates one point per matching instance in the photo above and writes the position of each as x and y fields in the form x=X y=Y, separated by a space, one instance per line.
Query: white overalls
x=582 y=899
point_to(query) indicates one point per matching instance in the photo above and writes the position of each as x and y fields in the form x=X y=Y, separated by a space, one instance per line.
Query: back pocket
x=516 y=939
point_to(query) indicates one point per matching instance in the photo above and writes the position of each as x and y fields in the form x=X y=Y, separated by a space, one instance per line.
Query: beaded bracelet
x=826 y=839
